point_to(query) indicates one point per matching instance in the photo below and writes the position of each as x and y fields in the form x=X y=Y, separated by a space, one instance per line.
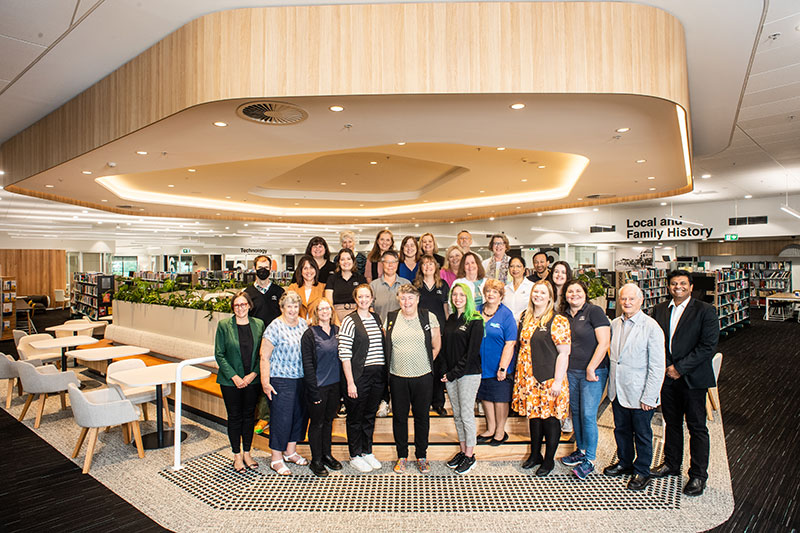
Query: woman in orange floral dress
x=541 y=391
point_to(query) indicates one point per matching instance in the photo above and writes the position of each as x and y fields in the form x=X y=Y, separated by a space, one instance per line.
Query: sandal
x=296 y=458
x=283 y=470
x=241 y=469
x=252 y=466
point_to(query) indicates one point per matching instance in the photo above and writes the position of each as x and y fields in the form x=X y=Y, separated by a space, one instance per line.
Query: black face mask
x=262 y=273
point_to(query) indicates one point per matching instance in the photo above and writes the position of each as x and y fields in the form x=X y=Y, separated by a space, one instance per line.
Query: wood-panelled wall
x=481 y=47
x=37 y=271
x=750 y=247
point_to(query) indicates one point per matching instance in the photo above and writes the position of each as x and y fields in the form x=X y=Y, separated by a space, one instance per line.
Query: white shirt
x=518 y=301
x=675 y=317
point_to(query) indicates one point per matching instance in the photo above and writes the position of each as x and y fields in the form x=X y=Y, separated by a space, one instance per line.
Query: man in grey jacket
x=634 y=386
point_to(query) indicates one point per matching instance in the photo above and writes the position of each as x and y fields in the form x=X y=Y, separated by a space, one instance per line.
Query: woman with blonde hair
x=452 y=260
x=541 y=390
x=384 y=241
x=428 y=246
x=347 y=239
x=321 y=374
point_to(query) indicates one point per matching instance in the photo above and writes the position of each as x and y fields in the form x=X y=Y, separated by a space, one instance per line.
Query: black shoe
x=495 y=442
x=617 y=469
x=484 y=439
x=440 y=410
x=456 y=460
x=318 y=469
x=531 y=461
x=544 y=470
x=664 y=470
x=694 y=487
x=639 y=482
x=330 y=462
x=465 y=465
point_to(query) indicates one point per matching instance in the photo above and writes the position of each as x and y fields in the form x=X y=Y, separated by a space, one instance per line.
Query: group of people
x=401 y=327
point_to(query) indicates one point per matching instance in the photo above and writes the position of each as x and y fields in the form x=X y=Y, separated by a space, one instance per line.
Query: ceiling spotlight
x=481 y=191
x=523 y=180
x=490 y=218
x=373 y=162
x=336 y=108
x=171 y=186
x=228 y=197
x=595 y=209
x=705 y=176
x=518 y=207
x=103 y=200
x=652 y=188
x=417 y=225
x=192 y=170
x=402 y=143
x=748 y=196
x=542 y=166
x=501 y=148
x=227 y=227
x=663 y=203
x=49 y=186
x=2 y=172
x=141 y=152
x=539 y=214
x=246 y=225
x=640 y=161
x=220 y=124
x=623 y=130
x=517 y=106
x=651 y=177
x=87 y=172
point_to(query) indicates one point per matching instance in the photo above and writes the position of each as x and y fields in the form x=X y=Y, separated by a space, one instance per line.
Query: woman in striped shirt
x=361 y=350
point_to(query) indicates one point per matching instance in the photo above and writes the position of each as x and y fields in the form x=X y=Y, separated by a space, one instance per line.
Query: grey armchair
x=138 y=395
x=28 y=353
x=102 y=408
x=8 y=370
x=43 y=381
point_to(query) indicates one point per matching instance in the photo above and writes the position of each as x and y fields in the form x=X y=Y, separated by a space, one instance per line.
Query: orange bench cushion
x=102 y=343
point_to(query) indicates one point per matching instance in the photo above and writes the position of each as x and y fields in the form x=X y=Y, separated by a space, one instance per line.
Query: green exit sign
x=188 y=250
x=731 y=237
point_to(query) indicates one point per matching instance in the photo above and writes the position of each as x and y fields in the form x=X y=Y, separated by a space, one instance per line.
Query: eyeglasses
x=498 y=243
x=241 y=305
x=385 y=262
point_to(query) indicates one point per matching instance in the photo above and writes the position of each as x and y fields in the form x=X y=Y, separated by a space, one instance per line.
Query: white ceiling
x=744 y=133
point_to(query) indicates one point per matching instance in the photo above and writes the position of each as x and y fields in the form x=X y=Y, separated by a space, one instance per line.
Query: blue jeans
x=633 y=432
x=584 y=400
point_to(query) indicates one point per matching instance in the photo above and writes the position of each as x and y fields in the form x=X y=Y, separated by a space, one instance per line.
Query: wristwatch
x=501 y=369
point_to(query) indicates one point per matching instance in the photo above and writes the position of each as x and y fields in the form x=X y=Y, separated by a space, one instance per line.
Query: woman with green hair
x=463 y=332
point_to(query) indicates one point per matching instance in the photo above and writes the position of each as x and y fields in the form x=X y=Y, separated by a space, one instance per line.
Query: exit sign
x=188 y=250
x=731 y=237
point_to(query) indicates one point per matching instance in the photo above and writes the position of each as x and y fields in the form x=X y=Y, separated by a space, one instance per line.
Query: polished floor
x=46 y=489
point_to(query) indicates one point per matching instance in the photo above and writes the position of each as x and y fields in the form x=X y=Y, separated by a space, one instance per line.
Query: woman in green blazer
x=236 y=349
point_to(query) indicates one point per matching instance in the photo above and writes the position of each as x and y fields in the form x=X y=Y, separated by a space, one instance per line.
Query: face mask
x=262 y=273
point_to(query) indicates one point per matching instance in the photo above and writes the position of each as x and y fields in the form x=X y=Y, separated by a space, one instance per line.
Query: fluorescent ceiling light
x=548 y=230
x=786 y=209
x=684 y=140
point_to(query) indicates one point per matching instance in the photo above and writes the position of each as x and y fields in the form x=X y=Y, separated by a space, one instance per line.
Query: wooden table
x=159 y=375
x=62 y=343
x=107 y=352
x=776 y=313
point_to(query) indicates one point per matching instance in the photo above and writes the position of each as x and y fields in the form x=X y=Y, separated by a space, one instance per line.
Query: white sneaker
x=566 y=425
x=383 y=410
x=372 y=461
x=360 y=464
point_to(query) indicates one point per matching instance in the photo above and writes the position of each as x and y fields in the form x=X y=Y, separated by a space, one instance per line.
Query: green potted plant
x=597 y=285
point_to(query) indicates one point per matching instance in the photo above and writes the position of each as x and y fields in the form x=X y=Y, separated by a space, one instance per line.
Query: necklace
x=487 y=315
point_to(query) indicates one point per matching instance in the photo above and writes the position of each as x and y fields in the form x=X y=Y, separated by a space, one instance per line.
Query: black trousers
x=241 y=407
x=321 y=427
x=632 y=431
x=415 y=393
x=678 y=401
x=361 y=410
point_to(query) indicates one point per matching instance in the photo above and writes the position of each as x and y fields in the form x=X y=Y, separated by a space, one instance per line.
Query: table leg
x=161 y=438
x=160 y=415
x=63 y=359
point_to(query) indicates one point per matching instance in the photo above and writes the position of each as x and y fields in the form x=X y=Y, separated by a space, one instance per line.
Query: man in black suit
x=691 y=333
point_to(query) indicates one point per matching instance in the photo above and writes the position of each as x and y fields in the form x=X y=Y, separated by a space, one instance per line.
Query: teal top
x=226 y=350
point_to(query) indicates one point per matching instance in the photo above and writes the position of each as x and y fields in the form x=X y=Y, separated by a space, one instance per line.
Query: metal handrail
x=178 y=404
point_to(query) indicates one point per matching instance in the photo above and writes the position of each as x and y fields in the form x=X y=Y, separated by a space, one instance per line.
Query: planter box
x=189 y=324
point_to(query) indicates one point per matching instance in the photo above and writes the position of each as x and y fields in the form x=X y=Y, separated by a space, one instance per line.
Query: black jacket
x=461 y=353
x=308 y=350
x=265 y=306
x=694 y=342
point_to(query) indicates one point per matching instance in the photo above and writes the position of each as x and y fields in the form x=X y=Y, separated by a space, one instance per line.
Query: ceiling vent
x=125 y=207
x=272 y=113
x=599 y=196
x=747 y=221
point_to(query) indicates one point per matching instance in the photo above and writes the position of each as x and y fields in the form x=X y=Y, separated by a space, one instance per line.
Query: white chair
x=103 y=408
x=43 y=381
x=29 y=353
x=60 y=297
x=138 y=395
x=18 y=334
x=8 y=370
x=712 y=398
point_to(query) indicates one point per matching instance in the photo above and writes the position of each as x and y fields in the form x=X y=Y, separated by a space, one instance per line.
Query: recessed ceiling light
x=228 y=197
x=360 y=205
x=192 y=170
x=491 y=218
x=103 y=200
x=49 y=186
x=641 y=161
x=297 y=203
x=220 y=124
x=336 y=108
x=227 y=227
x=523 y=180
x=171 y=186
x=482 y=191
x=75 y=216
x=99 y=221
x=748 y=196
x=85 y=212
x=705 y=176
x=663 y=203
x=542 y=166
x=373 y=162
x=638 y=242
x=518 y=207
x=660 y=243
x=343 y=183
x=501 y=148
x=217 y=214
x=651 y=177
x=416 y=225
x=87 y=172
x=517 y=106
x=141 y=152
x=141 y=209
x=2 y=172
x=623 y=130
x=246 y=225
x=401 y=143
x=539 y=214
x=595 y=209
x=652 y=188
x=469 y=213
